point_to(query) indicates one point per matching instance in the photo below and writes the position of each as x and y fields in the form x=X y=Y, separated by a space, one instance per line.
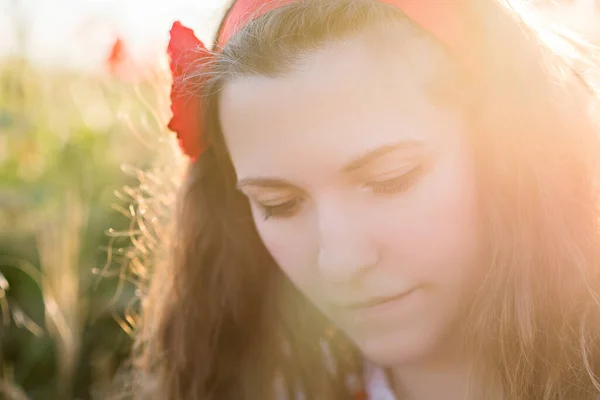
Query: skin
x=362 y=186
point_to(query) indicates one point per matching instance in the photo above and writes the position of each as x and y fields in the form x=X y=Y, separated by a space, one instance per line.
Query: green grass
x=83 y=163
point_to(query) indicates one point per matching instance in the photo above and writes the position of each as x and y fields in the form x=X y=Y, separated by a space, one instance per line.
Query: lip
x=380 y=307
x=376 y=301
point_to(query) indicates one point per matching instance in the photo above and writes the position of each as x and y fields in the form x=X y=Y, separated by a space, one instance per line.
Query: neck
x=444 y=377
x=430 y=383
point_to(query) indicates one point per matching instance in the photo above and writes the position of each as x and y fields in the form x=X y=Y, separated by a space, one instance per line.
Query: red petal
x=182 y=41
x=186 y=124
x=186 y=51
x=361 y=395
x=117 y=54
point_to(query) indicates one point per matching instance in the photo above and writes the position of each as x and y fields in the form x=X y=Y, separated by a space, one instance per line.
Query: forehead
x=336 y=103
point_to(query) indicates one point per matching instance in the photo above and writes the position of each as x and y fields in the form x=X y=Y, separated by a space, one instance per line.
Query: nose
x=345 y=249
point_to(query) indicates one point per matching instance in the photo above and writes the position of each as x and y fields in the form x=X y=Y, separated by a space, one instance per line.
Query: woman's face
x=362 y=188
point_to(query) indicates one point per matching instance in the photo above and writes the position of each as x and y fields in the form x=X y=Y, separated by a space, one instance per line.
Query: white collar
x=376 y=384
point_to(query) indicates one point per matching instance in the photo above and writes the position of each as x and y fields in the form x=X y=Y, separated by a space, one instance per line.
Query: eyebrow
x=367 y=158
x=270 y=183
x=354 y=165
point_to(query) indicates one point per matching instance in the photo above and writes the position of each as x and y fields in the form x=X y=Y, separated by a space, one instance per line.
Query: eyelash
x=398 y=184
x=282 y=210
x=390 y=186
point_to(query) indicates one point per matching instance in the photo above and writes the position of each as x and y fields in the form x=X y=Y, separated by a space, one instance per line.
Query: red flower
x=186 y=51
x=117 y=55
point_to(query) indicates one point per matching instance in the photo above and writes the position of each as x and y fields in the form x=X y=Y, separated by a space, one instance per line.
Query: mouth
x=375 y=301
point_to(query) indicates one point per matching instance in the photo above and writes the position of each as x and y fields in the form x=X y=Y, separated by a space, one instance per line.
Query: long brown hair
x=222 y=322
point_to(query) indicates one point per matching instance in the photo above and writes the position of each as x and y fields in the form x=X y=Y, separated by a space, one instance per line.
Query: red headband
x=442 y=18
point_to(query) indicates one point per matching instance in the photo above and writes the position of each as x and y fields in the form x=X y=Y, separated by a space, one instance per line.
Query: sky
x=78 y=34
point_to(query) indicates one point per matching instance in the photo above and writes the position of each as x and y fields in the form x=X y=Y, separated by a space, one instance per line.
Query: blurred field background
x=82 y=150
x=84 y=159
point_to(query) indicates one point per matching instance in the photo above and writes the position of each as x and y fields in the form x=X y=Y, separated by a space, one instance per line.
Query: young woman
x=385 y=199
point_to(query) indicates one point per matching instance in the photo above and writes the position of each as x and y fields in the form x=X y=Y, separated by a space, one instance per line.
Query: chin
x=399 y=348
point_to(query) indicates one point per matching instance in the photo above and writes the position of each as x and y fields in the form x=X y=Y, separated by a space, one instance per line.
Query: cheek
x=435 y=234
x=289 y=245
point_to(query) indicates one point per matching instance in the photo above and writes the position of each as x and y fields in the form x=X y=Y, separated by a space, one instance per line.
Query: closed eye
x=396 y=184
x=282 y=210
